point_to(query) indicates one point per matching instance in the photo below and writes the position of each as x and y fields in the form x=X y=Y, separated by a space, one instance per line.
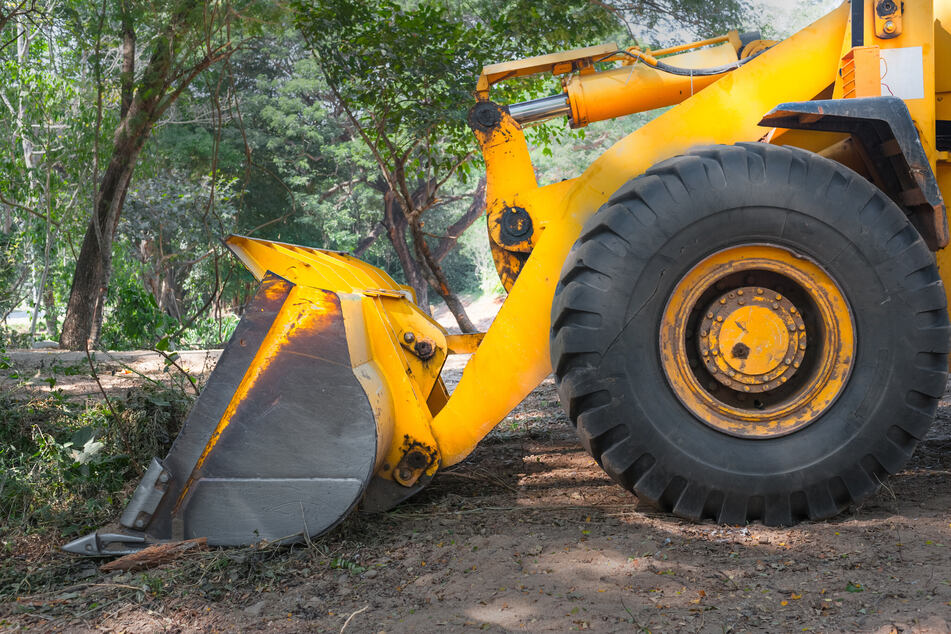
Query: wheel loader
x=741 y=301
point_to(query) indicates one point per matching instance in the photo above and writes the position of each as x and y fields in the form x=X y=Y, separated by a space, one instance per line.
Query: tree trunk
x=395 y=222
x=94 y=264
x=49 y=312
x=127 y=77
x=437 y=279
x=87 y=295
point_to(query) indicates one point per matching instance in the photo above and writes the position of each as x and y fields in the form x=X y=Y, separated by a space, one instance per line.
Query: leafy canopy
x=407 y=71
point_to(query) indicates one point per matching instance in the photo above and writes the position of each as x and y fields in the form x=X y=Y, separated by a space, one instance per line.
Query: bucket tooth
x=107 y=542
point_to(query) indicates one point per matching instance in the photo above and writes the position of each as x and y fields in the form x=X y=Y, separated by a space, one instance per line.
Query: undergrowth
x=68 y=466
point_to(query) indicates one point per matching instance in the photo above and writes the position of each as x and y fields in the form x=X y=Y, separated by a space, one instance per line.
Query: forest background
x=136 y=134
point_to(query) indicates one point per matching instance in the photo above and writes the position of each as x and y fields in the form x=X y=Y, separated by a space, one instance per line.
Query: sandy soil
x=528 y=534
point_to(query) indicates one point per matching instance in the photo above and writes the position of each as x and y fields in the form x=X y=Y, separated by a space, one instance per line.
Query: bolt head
x=409 y=337
x=889 y=27
x=424 y=350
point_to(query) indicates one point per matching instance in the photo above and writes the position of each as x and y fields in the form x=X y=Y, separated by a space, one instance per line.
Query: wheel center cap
x=752 y=339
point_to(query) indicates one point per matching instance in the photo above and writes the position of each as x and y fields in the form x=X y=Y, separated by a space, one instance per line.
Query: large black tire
x=606 y=321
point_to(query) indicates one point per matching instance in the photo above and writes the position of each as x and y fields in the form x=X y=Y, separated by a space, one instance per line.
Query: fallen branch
x=155 y=555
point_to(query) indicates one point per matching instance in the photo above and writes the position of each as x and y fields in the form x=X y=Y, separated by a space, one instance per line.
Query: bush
x=70 y=466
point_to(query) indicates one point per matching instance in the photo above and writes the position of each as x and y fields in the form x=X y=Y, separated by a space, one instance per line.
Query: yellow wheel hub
x=757 y=341
x=752 y=339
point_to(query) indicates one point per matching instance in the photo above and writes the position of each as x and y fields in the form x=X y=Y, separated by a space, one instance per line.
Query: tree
x=402 y=76
x=189 y=36
x=666 y=21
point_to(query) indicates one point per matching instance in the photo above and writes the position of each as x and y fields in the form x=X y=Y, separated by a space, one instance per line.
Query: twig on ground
x=347 y=622
x=733 y=583
x=894 y=497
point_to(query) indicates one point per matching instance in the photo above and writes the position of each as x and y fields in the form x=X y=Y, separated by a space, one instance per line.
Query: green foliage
x=134 y=319
x=341 y=563
x=65 y=465
x=11 y=270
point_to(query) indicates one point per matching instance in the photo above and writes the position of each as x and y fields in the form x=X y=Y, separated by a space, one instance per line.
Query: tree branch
x=28 y=210
x=456 y=229
x=366 y=242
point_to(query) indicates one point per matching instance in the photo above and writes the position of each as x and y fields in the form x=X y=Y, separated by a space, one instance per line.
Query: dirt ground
x=528 y=534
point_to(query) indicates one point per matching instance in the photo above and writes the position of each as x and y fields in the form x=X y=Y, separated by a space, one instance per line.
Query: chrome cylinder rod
x=540 y=109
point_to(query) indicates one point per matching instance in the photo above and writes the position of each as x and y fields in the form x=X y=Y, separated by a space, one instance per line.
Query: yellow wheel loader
x=741 y=301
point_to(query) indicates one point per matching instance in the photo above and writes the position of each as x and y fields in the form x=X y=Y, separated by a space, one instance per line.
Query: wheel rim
x=757 y=341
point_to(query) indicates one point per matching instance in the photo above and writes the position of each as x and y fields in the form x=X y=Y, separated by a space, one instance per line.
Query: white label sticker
x=903 y=73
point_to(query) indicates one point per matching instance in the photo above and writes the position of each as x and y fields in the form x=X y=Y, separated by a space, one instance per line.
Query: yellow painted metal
x=861 y=73
x=639 y=87
x=765 y=339
x=305 y=309
x=384 y=328
x=551 y=63
x=917 y=31
x=513 y=357
x=759 y=344
x=583 y=59
x=510 y=175
x=750 y=339
x=733 y=37
x=464 y=343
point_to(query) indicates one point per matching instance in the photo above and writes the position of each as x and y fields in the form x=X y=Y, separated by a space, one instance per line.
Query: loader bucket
x=294 y=421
